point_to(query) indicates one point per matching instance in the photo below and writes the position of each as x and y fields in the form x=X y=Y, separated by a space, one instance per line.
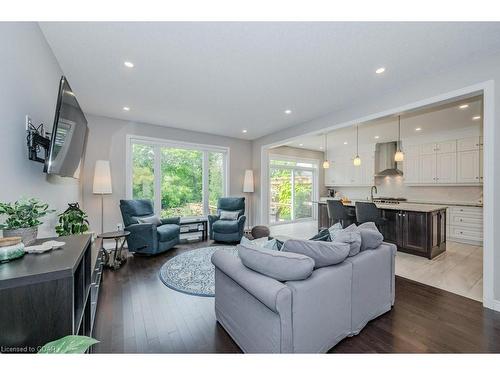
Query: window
x=181 y=179
x=293 y=187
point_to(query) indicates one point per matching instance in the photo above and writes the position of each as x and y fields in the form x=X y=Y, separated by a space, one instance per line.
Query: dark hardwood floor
x=138 y=313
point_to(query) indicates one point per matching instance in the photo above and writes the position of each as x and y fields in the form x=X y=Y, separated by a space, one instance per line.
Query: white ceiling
x=430 y=122
x=222 y=78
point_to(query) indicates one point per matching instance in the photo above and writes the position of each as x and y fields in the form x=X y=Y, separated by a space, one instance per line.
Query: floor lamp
x=248 y=188
x=102 y=184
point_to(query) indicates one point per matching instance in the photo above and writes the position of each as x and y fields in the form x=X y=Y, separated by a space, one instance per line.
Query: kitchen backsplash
x=394 y=187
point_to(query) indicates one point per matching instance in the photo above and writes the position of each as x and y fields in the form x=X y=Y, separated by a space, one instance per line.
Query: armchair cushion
x=232 y=204
x=132 y=209
x=279 y=265
x=225 y=226
x=167 y=232
x=171 y=220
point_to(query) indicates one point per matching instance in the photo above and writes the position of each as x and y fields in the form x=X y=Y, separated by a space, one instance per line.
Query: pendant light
x=326 y=163
x=399 y=155
x=357 y=159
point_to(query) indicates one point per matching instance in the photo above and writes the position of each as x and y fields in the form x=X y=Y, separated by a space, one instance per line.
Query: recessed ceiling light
x=418 y=129
x=476 y=118
x=128 y=64
x=288 y=111
x=244 y=131
x=321 y=147
x=463 y=106
x=126 y=109
x=376 y=137
x=380 y=70
x=345 y=142
x=301 y=144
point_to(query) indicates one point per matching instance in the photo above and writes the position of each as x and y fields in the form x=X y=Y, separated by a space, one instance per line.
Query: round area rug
x=192 y=272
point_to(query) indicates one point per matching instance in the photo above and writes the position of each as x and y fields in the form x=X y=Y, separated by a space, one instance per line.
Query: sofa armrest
x=272 y=293
x=171 y=220
x=142 y=236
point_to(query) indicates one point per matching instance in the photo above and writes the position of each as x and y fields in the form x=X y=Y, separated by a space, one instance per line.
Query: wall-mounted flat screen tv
x=69 y=135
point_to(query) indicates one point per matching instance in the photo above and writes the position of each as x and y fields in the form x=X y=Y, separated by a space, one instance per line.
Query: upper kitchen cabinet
x=451 y=162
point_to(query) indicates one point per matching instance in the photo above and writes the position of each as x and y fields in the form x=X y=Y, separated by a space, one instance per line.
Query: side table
x=120 y=238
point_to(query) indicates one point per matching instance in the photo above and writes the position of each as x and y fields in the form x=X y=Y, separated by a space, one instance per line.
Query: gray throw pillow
x=229 y=215
x=276 y=264
x=353 y=238
x=155 y=220
x=371 y=238
x=324 y=253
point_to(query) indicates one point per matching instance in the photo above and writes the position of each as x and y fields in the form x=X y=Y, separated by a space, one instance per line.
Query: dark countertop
x=51 y=265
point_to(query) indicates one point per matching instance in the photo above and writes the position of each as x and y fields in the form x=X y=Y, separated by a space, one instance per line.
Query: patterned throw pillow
x=323 y=235
x=229 y=215
x=155 y=220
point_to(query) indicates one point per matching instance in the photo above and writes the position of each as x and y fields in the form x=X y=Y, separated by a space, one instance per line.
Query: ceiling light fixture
x=345 y=142
x=301 y=144
x=244 y=131
x=476 y=118
x=357 y=159
x=463 y=106
x=326 y=163
x=399 y=155
x=418 y=129
x=126 y=109
x=128 y=64
x=288 y=111
x=380 y=70
x=376 y=137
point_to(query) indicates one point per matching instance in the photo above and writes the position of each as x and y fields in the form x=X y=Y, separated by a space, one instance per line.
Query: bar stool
x=367 y=211
x=338 y=212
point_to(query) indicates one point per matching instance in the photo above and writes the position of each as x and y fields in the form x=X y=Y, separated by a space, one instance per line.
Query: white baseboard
x=492 y=304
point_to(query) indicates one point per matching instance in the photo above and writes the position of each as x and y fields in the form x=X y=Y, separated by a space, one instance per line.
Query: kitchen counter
x=415 y=228
x=403 y=206
x=416 y=201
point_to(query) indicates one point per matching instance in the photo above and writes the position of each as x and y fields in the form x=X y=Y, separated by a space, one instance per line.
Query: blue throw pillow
x=323 y=235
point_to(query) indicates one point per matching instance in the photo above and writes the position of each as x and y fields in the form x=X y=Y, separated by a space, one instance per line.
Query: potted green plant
x=72 y=221
x=23 y=218
x=71 y=344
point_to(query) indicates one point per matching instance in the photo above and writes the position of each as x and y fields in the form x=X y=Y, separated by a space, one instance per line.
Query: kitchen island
x=418 y=229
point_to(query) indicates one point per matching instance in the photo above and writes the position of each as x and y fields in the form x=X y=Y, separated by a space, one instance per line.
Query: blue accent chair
x=228 y=230
x=148 y=238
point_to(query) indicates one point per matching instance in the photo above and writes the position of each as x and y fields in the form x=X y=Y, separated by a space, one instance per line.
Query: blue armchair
x=148 y=238
x=228 y=230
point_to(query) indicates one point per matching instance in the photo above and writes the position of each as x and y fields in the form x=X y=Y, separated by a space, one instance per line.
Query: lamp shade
x=102 y=178
x=248 y=182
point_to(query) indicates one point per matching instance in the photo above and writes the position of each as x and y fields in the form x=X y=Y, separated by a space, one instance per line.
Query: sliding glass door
x=292 y=188
x=181 y=179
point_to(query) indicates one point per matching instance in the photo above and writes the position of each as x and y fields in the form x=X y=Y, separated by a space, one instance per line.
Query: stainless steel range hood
x=384 y=160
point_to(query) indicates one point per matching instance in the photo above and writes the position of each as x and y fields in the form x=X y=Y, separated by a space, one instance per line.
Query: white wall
x=107 y=140
x=463 y=75
x=29 y=80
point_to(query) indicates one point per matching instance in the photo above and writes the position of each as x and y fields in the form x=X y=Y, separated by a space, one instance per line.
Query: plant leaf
x=71 y=344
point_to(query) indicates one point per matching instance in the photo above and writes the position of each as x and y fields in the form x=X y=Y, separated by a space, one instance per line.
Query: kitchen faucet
x=371 y=191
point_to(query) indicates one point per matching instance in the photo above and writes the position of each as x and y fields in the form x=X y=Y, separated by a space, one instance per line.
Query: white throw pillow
x=149 y=220
x=229 y=215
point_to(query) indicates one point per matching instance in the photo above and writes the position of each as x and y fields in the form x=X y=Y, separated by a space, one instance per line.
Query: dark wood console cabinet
x=44 y=297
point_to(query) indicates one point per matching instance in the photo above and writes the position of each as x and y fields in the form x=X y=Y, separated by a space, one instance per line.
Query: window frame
x=315 y=172
x=157 y=144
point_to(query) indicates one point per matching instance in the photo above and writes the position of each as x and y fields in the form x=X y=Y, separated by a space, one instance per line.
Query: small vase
x=27 y=234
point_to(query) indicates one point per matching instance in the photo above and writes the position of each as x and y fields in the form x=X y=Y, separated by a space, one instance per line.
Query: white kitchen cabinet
x=446 y=168
x=428 y=168
x=468 y=167
x=468 y=144
x=465 y=224
x=411 y=168
x=446 y=147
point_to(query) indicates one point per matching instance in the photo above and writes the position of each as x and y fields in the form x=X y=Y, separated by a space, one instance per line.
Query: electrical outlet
x=28 y=122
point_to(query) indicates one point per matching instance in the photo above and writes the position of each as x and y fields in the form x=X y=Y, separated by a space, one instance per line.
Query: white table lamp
x=102 y=184
x=248 y=188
